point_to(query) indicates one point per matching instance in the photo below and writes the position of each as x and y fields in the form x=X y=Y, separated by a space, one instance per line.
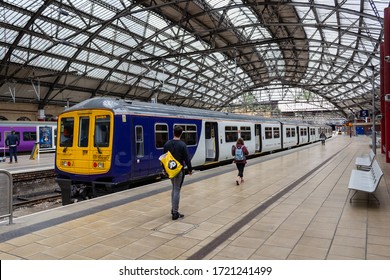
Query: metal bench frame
x=366 y=181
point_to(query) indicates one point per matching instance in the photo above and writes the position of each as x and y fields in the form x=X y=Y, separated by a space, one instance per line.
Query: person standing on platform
x=239 y=151
x=179 y=151
x=12 y=141
x=322 y=137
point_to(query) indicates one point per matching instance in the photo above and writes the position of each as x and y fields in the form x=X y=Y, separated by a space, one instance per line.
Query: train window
x=102 y=131
x=83 y=131
x=276 y=132
x=29 y=136
x=245 y=133
x=161 y=135
x=268 y=132
x=189 y=135
x=231 y=134
x=139 y=141
x=303 y=132
x=66 y=132
x=288 y=132
x=292 y=132
x=312 y=131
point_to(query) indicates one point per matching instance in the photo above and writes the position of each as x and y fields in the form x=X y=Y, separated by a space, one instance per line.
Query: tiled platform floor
x=293 y=205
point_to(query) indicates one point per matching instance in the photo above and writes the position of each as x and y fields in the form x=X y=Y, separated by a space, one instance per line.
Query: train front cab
x=84 y=148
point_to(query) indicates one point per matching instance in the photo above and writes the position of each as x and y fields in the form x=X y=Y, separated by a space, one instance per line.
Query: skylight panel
x=352 y=5
x=14 y=18
x=218 y=3
x=110 y=63
x=29 y=5
x=61 y=50
x=154 y=50
x=19 y=56
x=3 y=51
x=118 y=77
x=8 y=36
x=147 y=83
x=109 y=33
x=126 y=39
x=100 y=12
x=137 y=29
x=169 y=88
x=78 y=23
x=97 y=72
x=49 y=63
x=101 y=46
x=124 y=66
x=34 y=43
x=79 y=39
x=311 y=31
x=138 y=70
x=170 y=68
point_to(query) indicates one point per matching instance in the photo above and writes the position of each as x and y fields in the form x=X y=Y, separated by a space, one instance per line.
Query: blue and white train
x=108 y=142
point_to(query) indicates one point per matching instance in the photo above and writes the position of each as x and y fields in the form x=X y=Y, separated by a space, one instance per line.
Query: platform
x=292 y=205
x=44 y=161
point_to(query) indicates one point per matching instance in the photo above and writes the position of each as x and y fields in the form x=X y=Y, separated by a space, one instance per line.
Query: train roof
x=25 y=123
x=122 y=106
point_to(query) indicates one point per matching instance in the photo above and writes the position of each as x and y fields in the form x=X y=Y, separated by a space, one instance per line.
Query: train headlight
x=98 y=164
x=66 y=163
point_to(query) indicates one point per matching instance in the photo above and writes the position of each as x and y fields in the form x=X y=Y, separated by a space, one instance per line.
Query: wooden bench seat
x=365 y=181
x=365 y=162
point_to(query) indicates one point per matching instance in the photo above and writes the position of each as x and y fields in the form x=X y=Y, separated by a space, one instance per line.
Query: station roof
x=212 y=54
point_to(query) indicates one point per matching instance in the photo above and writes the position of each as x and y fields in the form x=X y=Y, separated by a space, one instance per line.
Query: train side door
x=211 y=141
x=258 y=141
x=141 y=147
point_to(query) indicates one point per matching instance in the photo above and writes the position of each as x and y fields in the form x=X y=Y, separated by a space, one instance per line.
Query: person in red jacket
x=239 y=151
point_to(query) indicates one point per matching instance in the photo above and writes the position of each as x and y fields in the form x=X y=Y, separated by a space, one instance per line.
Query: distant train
x=109 y=142
x=29 y=132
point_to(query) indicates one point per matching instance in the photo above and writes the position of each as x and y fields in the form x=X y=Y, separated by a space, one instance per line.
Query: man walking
x=179 y=151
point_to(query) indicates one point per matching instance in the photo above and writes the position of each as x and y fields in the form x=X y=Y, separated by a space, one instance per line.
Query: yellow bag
x=171 y=165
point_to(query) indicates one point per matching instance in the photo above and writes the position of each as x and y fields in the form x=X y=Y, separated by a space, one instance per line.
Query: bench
x=365 y=162
x=365 y=181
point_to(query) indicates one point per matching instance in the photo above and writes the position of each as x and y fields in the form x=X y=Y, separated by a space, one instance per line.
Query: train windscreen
x=66 y=132
x=102 y=131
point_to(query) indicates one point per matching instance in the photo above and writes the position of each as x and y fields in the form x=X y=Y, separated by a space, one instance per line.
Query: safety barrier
x=6 y=187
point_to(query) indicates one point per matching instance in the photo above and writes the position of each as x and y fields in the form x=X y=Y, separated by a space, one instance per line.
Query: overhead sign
x=364 y=113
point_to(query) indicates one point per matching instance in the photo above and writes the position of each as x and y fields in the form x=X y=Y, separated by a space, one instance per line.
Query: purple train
x=29 y=133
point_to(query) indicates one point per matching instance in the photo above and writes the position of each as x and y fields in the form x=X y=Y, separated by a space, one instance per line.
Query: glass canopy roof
x=215 y=54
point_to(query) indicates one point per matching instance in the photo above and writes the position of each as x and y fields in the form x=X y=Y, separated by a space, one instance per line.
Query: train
x=107 y=142
x=29 y=133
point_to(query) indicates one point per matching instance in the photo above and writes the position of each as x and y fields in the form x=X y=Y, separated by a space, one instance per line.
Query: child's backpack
x=239 y=154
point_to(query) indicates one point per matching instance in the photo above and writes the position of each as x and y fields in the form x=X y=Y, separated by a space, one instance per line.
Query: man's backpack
x=239 y=154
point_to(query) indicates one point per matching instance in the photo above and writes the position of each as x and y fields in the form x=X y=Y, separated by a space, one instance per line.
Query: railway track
x=35 y=198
